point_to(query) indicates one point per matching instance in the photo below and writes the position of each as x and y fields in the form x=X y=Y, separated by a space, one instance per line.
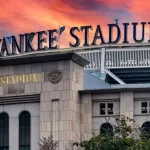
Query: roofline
x=86 y=71
x=44 y=56
x=119 y=45
x=115 y=90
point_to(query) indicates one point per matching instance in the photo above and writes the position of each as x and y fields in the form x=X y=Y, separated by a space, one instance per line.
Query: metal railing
x=94 y=57
x=117 y=58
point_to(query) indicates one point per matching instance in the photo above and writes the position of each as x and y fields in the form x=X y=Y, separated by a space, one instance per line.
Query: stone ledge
x=36 y=57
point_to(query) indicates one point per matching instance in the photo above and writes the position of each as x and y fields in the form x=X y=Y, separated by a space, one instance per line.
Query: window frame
x=148 y=107
x=106 y=108
x=26 y=146
x=110 y=108
x=7 y=131
x=108 y=125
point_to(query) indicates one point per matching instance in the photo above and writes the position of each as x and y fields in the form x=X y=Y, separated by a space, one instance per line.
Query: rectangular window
x=102 y=109
x=144 y=107
x=110 y=108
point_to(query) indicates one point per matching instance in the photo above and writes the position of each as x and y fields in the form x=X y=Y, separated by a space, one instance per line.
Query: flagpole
x=149 y=31
x=59 y=38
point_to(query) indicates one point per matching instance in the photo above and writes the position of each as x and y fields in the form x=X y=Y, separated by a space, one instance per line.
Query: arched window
x=146 y=127
x=4 y=131
x=24 y=130
x=106 y=128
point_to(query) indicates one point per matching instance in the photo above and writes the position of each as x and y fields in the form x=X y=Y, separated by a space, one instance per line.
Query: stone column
x=86 y=116
x=60 y=103
x=126 y=104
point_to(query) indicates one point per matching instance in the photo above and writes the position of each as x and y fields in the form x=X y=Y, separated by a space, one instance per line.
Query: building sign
x=23 y=78
x=50 y=39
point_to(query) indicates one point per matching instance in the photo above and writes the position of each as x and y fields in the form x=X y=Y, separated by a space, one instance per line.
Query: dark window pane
x=149 y=107
x=4 y=131
x=110 y=108
x=146 y=129
x=144 y=107
x=24 y=131
x=106 y=128
x=102 y=108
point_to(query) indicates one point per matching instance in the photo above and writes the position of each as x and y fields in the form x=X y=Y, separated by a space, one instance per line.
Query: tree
x=48 y=144
x=124 y=137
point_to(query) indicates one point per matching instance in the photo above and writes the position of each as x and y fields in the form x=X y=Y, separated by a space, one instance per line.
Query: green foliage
x=125 y=137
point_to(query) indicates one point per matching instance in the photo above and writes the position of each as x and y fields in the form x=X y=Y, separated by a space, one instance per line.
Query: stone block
x=63 y=115
x=55 y=105
x=48 y=106
x=47 y=96
x=32 y=68
x=49 y=86
x=46 y=134
x=38 y=87
x=60 y=65
x=21 y=88
x=5 y=71
x=43 y=126
x=54 y=126
x=55 y=136
x=27 y=69
x=37 y=68
x=61 y=125
x=44 y=86
x=54 y=87
x=61 y=105
x=10 y=70
x=42 y=96
x=48 y=126
x=5 y=90
x=66 y=65
x=66 y=84
x=42 y=76
x=57 y=94
x=63 y=95
x=33 y=87
x=45 y=116
x=55 y=116
x=61 y=85
x=1 y=90
x=43 y=107
x=83 y=108
x=69 y=115
x=66 y=105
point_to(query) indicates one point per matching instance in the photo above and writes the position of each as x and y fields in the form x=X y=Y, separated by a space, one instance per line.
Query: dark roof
x=115 y=90
x=92 y=82
x=45 y=56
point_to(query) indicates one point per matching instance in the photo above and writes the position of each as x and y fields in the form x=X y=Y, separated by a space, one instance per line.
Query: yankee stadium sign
x=50 y=39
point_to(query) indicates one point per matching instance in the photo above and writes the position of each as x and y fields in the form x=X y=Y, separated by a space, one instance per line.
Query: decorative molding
x=142 y=99
x=142 y=115
x=105 y=100
x=104 y=116
x=20 y=99
x=55 y=76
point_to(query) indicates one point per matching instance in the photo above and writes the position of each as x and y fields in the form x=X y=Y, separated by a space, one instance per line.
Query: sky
x=24 y=16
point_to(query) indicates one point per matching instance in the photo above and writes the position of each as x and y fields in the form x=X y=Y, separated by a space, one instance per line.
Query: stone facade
x=59 y=104
x=64 y=110
x=13 y=111
x=124 y=103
